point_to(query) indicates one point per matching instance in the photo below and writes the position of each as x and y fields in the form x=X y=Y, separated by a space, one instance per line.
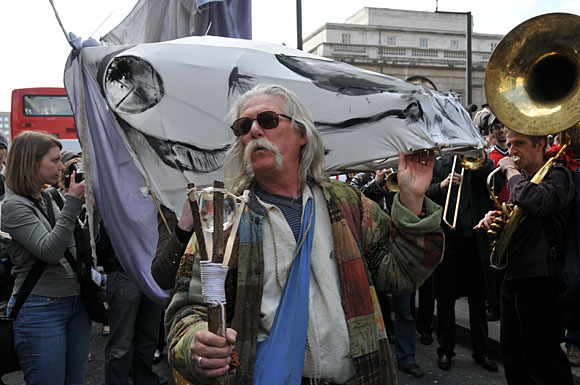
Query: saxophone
x=504 y=226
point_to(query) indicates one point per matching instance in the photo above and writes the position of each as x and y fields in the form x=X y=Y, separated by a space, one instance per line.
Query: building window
x=454 y=44
x=346 y=38
x=392 y=41
x=493 y=45
x=424 y=43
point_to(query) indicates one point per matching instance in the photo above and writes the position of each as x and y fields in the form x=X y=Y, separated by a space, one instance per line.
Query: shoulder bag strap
x=29 y=282
x=51 y=218
x=49 y=213
x=49 y=208
x=27 y=286
x=56 y=196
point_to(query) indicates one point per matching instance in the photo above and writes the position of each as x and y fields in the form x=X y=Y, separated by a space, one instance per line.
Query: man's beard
x=266 y=145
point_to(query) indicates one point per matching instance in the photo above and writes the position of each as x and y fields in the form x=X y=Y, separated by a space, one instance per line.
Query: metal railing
x=349 y=48
x=384 y=52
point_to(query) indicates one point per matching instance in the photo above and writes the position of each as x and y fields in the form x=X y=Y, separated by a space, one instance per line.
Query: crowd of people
x=336 y=258
x=41 y=285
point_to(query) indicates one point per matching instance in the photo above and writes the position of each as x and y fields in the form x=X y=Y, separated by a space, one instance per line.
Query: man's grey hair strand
x=238 y=177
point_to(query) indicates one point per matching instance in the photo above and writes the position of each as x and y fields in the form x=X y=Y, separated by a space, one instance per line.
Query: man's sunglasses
x=266 y=120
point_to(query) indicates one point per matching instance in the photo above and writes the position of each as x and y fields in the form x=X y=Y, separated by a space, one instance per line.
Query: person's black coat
x=474 y=204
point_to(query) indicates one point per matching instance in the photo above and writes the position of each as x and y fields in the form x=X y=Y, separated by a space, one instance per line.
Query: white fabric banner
x=169 y=100
x=154 y=119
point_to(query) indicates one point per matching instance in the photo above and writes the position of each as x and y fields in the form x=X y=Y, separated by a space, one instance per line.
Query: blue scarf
x=280 y=358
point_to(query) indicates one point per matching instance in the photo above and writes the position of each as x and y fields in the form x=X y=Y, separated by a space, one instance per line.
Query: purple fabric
x=130 y=219
x=228 y=18
x=153 y=21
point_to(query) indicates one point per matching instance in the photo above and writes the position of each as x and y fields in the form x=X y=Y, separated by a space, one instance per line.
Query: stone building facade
x=407 y=44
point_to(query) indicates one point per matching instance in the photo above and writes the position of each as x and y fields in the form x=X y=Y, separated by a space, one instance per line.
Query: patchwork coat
x=373 y=252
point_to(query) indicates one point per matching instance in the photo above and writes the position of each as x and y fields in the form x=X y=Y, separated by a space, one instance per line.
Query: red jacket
x=496 y=155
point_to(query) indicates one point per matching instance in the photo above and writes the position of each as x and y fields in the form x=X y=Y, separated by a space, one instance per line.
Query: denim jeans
x=52 y=337
x=134 y=320
x=404 y=329
x=573 y=338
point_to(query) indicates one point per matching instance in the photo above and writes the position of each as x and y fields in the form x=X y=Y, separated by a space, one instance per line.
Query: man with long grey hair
x=310 y=254
x=238 y=170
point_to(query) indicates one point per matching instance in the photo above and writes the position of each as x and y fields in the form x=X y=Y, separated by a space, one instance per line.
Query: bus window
x=44 y=109
x=39 y=105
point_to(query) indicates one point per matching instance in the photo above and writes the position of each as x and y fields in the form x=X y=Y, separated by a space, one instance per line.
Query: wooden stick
x=160 y=211
x=214 y=313
x=59 y=22
x=197 y=226
x=232 y=237
x=218 y=223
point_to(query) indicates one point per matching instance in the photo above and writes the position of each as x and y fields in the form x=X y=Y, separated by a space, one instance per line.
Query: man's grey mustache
x=261 y=143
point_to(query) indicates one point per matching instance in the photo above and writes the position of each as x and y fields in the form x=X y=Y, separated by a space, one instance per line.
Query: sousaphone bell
x=532 y=85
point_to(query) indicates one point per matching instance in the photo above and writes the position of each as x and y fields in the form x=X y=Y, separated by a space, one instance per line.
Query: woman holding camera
x=52 y=330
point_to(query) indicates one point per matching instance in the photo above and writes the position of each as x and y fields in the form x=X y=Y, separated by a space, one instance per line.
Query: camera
x=79 y=176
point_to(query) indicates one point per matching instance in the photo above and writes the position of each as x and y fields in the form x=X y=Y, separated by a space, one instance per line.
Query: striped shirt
x=291 y=208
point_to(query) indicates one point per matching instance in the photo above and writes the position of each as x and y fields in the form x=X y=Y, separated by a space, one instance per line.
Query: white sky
x=34 y=49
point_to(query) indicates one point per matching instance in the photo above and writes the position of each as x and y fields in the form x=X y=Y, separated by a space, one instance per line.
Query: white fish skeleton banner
x=169 y=100
x=153 y=115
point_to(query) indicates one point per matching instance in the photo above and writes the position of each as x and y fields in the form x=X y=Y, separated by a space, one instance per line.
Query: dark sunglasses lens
x=242 y=126
x=268 y=119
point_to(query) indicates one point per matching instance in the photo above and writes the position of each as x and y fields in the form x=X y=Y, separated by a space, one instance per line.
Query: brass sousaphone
x=532 y=84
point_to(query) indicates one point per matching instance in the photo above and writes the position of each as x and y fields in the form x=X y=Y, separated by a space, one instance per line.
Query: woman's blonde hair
x=24 y=156
x=238 y=177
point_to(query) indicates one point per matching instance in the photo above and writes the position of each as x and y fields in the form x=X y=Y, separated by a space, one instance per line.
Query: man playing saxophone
x=530 y=336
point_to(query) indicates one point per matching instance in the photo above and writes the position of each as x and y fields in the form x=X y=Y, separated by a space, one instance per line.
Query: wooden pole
x=159 y=211
x=197 y=226
x=215 y=321
x=218 y=223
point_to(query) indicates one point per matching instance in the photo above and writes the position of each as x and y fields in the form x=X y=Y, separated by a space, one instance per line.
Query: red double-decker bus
x=44 y=109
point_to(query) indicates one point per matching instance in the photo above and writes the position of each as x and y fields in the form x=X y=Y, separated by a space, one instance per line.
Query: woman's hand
x=212 y=353
x=76 y=189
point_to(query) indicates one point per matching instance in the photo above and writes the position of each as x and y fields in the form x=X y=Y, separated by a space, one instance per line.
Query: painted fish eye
x=132 y=85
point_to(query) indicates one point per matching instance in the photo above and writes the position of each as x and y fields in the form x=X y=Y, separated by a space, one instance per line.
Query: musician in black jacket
x=530 y=332
x=466 y=253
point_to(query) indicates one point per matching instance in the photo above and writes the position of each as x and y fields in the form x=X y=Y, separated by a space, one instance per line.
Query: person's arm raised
x=414 y=176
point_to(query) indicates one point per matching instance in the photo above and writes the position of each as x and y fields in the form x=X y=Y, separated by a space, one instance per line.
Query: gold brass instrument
x=469 y=163
x=532 y=84
x=391 y=180
x=532 y=77
x=505 y=226
x=491 y=183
